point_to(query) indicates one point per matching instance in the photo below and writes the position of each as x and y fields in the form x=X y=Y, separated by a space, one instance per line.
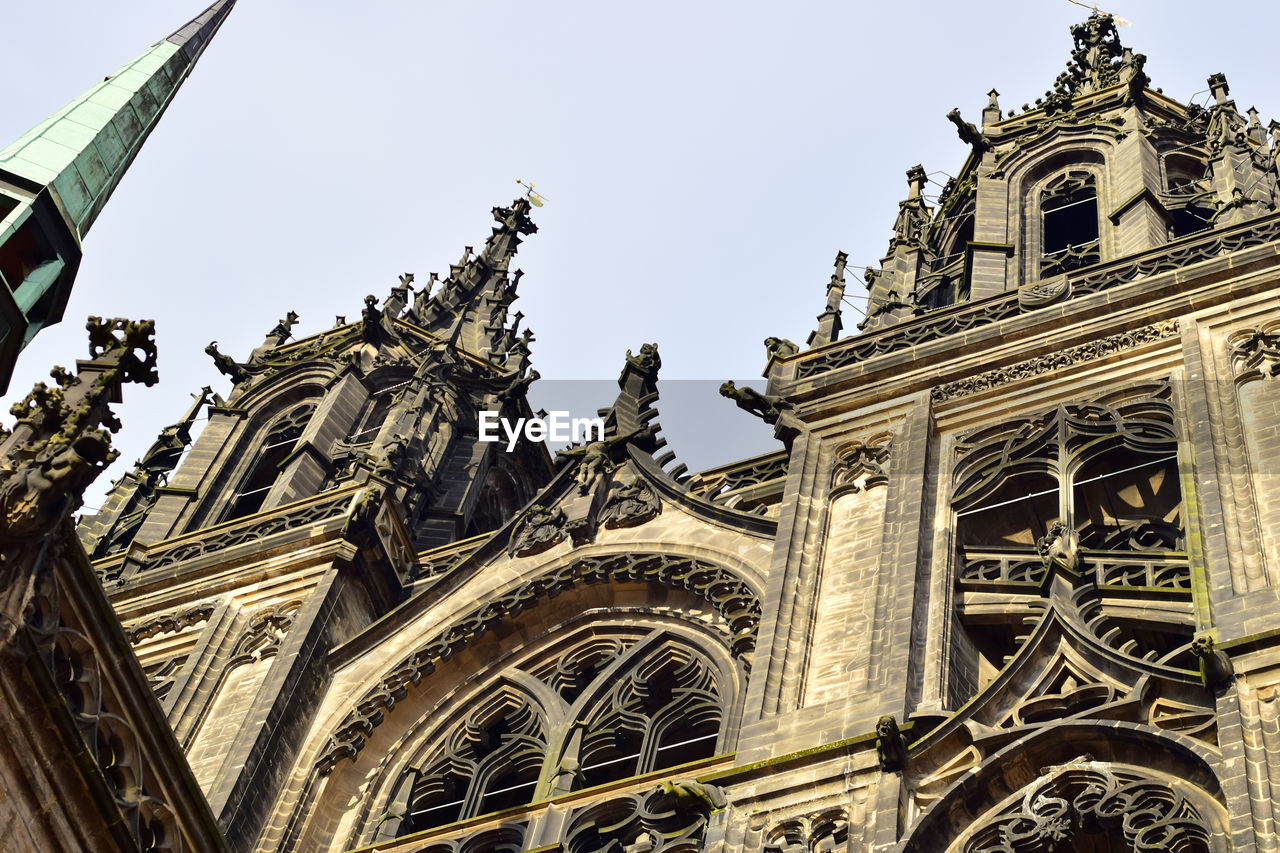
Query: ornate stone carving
x=780 y=347
x=90 y=683
x=1256 y=352
x=650 y=822
x=537 y=530
x=648 y=361
x=56 y=449
x=264 y=633
x=767 y=408
x=169 y=623
x=629 y=504
x=822 y=832
x=1045 y=292
x=969 y=134
x=692 y=794
x=299 y=518
x=891 y=746
x=595 y=464
x=1092 y=280
x=1215 y=665
x=227 y=365
x=908 y=334
x=719 y=483
x=861 y=464
x=1090 y=796
x=1040 y=365
x=508 y=838
x=1060 y=546
x=1216 y=243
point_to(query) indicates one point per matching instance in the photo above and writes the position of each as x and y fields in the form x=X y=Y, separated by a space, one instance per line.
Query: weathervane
x=535 y=198
x=1120 y=22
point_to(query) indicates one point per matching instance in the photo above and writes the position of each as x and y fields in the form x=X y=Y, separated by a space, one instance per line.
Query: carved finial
x=1256 y=131
x=991 y=114
x=647 y=361
x=916 y=179
x=406 y=279
x=1218 y=86
x=282 y=330
x=56 y=450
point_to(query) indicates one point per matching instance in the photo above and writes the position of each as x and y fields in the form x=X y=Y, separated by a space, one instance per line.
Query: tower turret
x=56 y=178
x=1099 y=168
x=393 y=398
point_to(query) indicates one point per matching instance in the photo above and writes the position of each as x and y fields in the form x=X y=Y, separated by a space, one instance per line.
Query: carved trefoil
x=1255 y=353
x=827 y=830
x=861 y=464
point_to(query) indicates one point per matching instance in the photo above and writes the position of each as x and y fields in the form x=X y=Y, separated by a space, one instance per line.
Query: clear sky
x=703 y=162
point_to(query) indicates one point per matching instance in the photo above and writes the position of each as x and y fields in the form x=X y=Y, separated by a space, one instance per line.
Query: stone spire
x=891 y=288
x=1241 y=165
x=133 y=495
x=469 y=308
x=56 y=178
x=829 y=321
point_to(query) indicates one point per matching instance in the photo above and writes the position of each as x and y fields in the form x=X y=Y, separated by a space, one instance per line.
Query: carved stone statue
x=226 y=365
x=594 y=465
x=648 y=360
x=769 y=409
x=371 y=320
x=1060 y=546
x=537 y=530
x=692 y=794
x=968 y=132
x=281 y=332
x=780 y=347
x=629 y=504
x=891 y=746
x=34 y=496
x=1215 y=665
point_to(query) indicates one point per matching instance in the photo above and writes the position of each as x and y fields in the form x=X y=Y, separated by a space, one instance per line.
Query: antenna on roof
x=1120 y=22
x=535 y=198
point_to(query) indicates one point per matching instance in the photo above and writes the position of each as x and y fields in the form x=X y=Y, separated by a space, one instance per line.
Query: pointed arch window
x=1105 y=470
x=1093 y=488
x=278 y=445
x=489 y=762
x=1069 y=235
x=1188 y=195
x=664 y=712
x=623 y=704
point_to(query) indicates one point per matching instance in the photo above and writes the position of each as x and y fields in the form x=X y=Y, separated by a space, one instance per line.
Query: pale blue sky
x=703 y=161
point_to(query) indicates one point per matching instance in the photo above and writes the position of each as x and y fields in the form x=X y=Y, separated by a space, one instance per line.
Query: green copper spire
x=56 y=178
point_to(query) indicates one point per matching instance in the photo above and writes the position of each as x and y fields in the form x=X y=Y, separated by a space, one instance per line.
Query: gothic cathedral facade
x=1010 y=582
